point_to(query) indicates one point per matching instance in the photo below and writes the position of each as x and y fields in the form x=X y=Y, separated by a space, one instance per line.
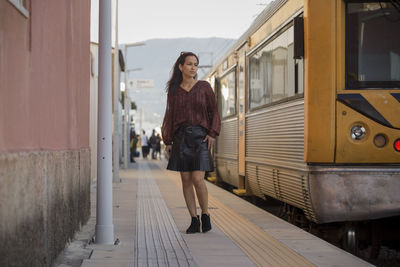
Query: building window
x=274 y=73
x=21 y=6
x=227 y=94
x=372 y=45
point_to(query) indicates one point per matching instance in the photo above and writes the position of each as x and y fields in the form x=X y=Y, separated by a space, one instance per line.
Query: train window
x=299 y=76
x=211 y=80
x=274 y=73
x=227 y=94
x=372 y=45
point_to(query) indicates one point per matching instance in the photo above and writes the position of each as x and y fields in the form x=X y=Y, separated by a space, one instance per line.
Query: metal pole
x=104 y=216
x=126 y=109
x=127 y=104
x=116 y=101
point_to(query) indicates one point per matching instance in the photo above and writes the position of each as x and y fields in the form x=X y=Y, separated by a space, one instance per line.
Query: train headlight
x=396 y=145
x=358 y=132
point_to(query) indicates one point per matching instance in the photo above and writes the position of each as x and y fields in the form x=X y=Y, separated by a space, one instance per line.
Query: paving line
x=153 y=233
x=155 y=247
x=256 y=242
x=249 y=243
x=261 y=248
x=146 y=245
x=163 y=232
x=182 y=247
x=175 y=250
x=158 y=241
x=153 y=242
x=251 y=234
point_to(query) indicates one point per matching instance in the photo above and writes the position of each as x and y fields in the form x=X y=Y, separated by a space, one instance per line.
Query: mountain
x=155 y=60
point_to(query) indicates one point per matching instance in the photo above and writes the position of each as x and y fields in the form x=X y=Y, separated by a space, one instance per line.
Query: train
x=309 y=98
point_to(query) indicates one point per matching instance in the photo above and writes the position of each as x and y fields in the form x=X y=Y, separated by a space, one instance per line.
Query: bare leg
x=188 y=192
x=201 y=190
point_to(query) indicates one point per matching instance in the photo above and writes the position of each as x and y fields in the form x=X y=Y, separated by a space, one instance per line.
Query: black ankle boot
x=205 y=223
x=194 y=226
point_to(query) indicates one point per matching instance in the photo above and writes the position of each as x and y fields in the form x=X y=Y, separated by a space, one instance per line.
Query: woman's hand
x=210 y=140
x=168 y=149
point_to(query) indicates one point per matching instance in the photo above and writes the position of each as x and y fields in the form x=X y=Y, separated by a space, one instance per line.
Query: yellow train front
x=310 y=105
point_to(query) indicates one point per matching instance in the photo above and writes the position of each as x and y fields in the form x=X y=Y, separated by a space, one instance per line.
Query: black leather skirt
x=189 y=152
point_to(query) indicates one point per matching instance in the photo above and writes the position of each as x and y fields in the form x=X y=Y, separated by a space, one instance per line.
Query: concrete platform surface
x=150 y=219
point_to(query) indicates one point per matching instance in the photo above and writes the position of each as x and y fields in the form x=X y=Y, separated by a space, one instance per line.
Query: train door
x=241 y=120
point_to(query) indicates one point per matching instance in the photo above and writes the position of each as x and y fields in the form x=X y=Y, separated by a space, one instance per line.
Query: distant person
x=145 y=145
x=133 y=144
x=158 y=145
x=139 y=143
x=153 y=143
x=191 y=124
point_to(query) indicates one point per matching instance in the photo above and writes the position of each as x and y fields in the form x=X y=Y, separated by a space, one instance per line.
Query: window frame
x=229 y=70
x=362 y=85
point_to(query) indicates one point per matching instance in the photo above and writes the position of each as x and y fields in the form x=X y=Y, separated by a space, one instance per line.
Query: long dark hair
x=176 y=77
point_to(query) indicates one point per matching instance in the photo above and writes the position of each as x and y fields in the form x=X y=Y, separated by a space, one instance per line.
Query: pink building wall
x=44 y=128
x=44 y=76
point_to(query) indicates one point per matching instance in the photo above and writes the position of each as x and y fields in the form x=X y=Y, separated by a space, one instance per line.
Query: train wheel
x=349 y=241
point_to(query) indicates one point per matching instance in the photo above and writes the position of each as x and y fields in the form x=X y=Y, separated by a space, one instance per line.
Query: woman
x=191 y=124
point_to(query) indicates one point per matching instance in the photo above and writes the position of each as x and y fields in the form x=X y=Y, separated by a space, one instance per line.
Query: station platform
x=150 y=220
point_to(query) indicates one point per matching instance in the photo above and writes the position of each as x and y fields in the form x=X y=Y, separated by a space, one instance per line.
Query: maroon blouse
x=196 y=107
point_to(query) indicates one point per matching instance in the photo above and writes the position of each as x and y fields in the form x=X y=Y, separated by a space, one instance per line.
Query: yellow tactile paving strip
x=261 y=248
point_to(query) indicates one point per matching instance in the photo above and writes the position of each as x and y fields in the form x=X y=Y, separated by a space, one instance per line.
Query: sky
x=140 y=20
